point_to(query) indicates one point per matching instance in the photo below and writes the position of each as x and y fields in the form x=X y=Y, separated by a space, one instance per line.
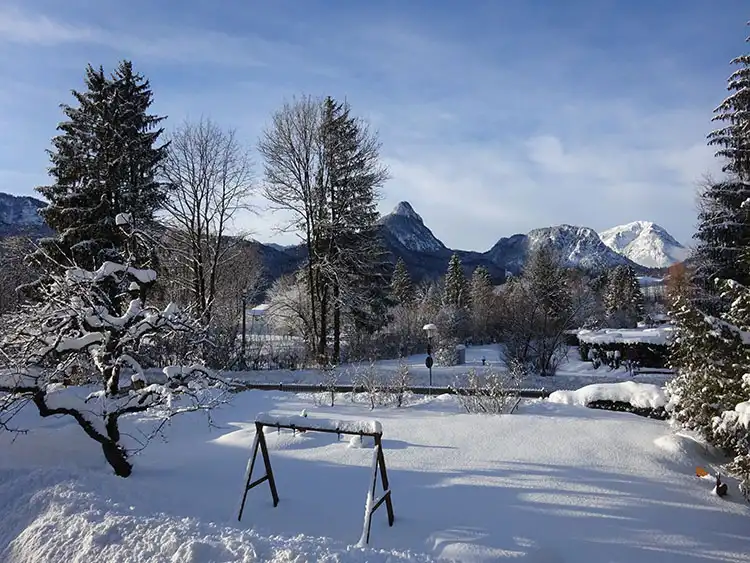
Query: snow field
x=554 y=483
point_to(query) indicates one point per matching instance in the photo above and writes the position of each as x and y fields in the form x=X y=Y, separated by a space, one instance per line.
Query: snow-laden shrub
x=732 y=430
x=330 y=378
x=399 y=383
x=369 y=379
x=489 y=391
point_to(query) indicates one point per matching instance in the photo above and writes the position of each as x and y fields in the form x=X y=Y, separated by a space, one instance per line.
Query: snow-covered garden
x=553 y=413
x=550 y=483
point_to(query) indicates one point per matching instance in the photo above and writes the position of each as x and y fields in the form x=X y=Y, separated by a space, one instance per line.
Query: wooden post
x=384 y=479
x=259 y=444
x=267 y=463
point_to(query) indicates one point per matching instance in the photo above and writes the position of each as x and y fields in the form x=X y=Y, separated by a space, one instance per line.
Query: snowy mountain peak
x=645 y=243
x=405 y=209
x=577 y=246
x=406 y=226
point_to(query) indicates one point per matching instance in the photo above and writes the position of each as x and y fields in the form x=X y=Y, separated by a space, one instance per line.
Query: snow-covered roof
x=658 y=335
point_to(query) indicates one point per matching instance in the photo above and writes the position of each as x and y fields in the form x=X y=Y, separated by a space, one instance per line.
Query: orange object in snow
x=700 y=472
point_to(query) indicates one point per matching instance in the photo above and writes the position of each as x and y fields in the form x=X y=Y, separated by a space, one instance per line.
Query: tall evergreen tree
x=456 y=293
x=104 y=162
x=402 y=287
x=623 y=298
x=351 y=256
x=481 y=297
x=724 y=224
x=711 y=351
x=733 y=138
x=548 y=282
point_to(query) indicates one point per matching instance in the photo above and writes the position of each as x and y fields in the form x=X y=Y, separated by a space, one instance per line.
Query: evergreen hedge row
x=646 y=354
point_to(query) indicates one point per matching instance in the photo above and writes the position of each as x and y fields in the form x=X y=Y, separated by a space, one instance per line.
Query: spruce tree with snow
x=481 y=299
x=724 y=225
x=456 y=291
x=104 y=162
x=535 y=310
x=711 y=351
x=623 y=298
x=84 y=333
x=402 y=287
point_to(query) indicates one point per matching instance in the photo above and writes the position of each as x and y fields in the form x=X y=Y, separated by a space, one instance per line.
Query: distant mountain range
x=642 y=245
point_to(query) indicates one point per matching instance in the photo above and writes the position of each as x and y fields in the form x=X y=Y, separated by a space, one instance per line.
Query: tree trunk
x=116 y=458
x=336 y=323
x=323 y=336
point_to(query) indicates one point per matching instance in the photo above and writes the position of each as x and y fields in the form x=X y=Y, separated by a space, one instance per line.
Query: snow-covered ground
x=553 y=483
x=572 y=373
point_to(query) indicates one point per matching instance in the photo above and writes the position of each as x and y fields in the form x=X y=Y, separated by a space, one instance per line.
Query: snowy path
x=552 y=484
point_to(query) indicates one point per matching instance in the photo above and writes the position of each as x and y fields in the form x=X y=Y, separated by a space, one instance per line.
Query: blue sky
x=496 y=117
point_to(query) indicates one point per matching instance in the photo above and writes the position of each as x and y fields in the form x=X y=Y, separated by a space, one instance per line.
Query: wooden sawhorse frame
x=300 y=424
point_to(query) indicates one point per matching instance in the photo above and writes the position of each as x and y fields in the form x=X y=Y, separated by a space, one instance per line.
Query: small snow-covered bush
x=399 y=383
x=330 y=381
x=732 y=431
x=371 y=381
x=490 y=391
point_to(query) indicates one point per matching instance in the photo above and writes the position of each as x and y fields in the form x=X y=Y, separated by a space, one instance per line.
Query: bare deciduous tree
x=210 y=177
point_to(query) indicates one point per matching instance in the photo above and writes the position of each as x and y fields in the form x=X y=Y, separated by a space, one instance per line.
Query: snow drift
x=58 y=515
x=639 y=395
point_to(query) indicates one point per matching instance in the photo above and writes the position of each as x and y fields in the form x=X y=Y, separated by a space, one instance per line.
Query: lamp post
x=430 y=329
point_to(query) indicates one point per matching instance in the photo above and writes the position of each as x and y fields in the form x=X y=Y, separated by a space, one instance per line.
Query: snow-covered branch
x=89 y=329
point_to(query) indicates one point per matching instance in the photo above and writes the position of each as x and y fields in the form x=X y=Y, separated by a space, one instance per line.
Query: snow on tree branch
x=89 y=328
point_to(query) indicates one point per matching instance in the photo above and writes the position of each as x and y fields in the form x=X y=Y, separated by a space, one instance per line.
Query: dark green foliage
x=623 y=299
x=723 y=237
x=456 y=293
x=733 y=137
x=402 y=288
x=645 y=354
x=658 y=413
x=482 y=304
x=104 y=162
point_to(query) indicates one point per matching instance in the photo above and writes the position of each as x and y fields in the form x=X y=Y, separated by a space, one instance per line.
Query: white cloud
x=162 y=43
x=18 y=27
